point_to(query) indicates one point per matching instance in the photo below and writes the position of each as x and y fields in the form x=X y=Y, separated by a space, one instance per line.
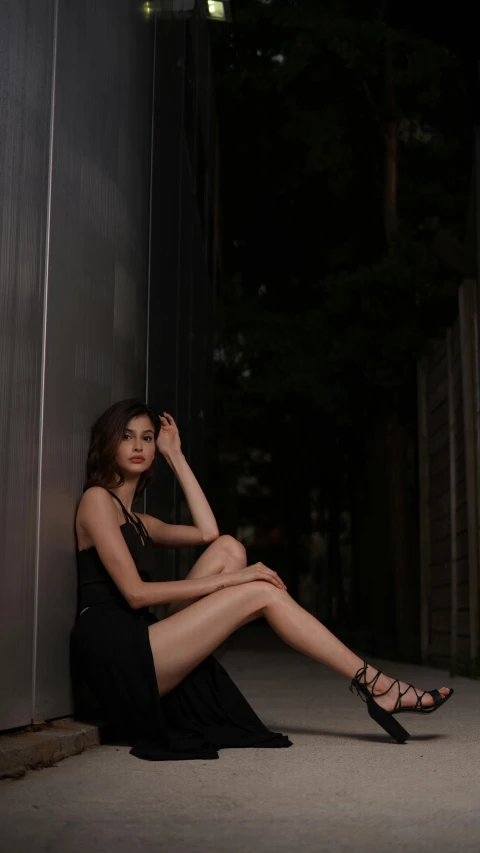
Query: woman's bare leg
x=226 y=554
x=180 y=642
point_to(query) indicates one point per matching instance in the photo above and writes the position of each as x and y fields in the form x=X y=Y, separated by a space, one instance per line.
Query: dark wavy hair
x=106 y=434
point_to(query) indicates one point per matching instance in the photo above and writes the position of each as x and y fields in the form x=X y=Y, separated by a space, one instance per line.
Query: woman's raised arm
x=204 y=528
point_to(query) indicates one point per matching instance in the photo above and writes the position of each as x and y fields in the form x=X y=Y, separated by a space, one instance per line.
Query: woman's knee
x=263 y=593
x=234 y=551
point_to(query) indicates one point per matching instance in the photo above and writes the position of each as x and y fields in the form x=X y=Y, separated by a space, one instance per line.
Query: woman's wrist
x=173 y=456
x=206 y=585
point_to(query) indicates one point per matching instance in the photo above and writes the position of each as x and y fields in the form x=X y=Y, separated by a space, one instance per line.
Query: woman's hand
x=168 y=439
x=257 y=572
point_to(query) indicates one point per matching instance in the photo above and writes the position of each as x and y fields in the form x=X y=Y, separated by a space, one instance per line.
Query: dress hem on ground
x=206 y=712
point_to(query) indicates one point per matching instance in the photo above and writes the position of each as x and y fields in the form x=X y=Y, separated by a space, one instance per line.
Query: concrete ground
x=344 y=785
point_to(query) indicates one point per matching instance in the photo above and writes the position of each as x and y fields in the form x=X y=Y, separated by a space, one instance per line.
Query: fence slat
x=423 y=476
x=467 y=307
x=453 y=505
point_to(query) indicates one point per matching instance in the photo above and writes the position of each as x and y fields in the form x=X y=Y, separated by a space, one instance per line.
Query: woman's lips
x=137 y=459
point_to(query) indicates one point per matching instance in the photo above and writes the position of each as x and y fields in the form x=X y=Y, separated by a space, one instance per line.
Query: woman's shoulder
x=93 y=499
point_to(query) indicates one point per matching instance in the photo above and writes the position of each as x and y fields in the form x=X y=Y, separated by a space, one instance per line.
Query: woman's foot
x=390 y=688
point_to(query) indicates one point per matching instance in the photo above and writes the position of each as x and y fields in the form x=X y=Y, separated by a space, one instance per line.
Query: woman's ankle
x=382 y=683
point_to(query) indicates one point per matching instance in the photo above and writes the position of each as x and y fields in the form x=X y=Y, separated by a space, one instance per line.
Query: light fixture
x=219 y=10
x=216 y=10
x=168 y=8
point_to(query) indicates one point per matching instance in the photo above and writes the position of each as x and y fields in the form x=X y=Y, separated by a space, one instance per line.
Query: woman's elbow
x=210 y=536
x=135 y=599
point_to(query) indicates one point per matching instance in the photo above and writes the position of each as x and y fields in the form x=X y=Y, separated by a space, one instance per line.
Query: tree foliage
x=317 y=307
x=321 y=321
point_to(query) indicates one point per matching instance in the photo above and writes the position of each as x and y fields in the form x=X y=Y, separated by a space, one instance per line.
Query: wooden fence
x=449 y=471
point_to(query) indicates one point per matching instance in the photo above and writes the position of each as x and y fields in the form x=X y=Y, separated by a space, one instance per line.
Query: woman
x=158 y=681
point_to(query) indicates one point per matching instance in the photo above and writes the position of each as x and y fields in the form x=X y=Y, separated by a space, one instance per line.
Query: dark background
x=348 y=222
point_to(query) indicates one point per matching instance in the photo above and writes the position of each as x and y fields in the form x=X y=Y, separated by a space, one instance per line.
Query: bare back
x=84 y=541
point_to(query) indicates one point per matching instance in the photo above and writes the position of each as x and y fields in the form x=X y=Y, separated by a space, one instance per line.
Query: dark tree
x=346 y=151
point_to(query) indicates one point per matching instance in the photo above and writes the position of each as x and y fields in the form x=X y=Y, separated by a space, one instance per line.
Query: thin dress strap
x=142 y=527
x=132 y=519
x=125 y=510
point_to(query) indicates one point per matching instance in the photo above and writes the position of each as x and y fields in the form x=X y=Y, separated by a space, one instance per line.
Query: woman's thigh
x=183 y=640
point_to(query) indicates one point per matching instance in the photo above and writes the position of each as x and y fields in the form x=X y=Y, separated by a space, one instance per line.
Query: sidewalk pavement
x=344 y=785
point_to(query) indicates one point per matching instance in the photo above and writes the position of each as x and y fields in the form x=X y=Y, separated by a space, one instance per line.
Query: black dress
x=111 y=646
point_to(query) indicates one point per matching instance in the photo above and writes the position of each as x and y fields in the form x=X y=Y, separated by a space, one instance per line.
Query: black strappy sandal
x=384 y=718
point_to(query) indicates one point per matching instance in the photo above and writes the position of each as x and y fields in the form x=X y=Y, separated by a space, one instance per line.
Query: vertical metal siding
x=26 y=55
x=97 y=286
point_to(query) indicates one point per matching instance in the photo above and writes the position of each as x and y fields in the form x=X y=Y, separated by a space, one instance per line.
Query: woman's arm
x=167 y=592
x=98 y=516
x=204 y=528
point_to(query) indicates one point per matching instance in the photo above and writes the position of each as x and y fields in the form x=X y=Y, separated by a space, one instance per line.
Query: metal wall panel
x=97 y=286
x=187 y=270
x=26 y=53
x=186 y=282
x=165 y=255
x=75 y=281
x=180 y=288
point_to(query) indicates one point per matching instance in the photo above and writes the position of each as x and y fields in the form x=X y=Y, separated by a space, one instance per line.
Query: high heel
x=385 y=719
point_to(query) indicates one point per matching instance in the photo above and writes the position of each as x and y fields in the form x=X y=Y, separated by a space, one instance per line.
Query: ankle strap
x=362 y=674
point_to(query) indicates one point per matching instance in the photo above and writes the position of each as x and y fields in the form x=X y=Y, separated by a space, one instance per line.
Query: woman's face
x=136 y=450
